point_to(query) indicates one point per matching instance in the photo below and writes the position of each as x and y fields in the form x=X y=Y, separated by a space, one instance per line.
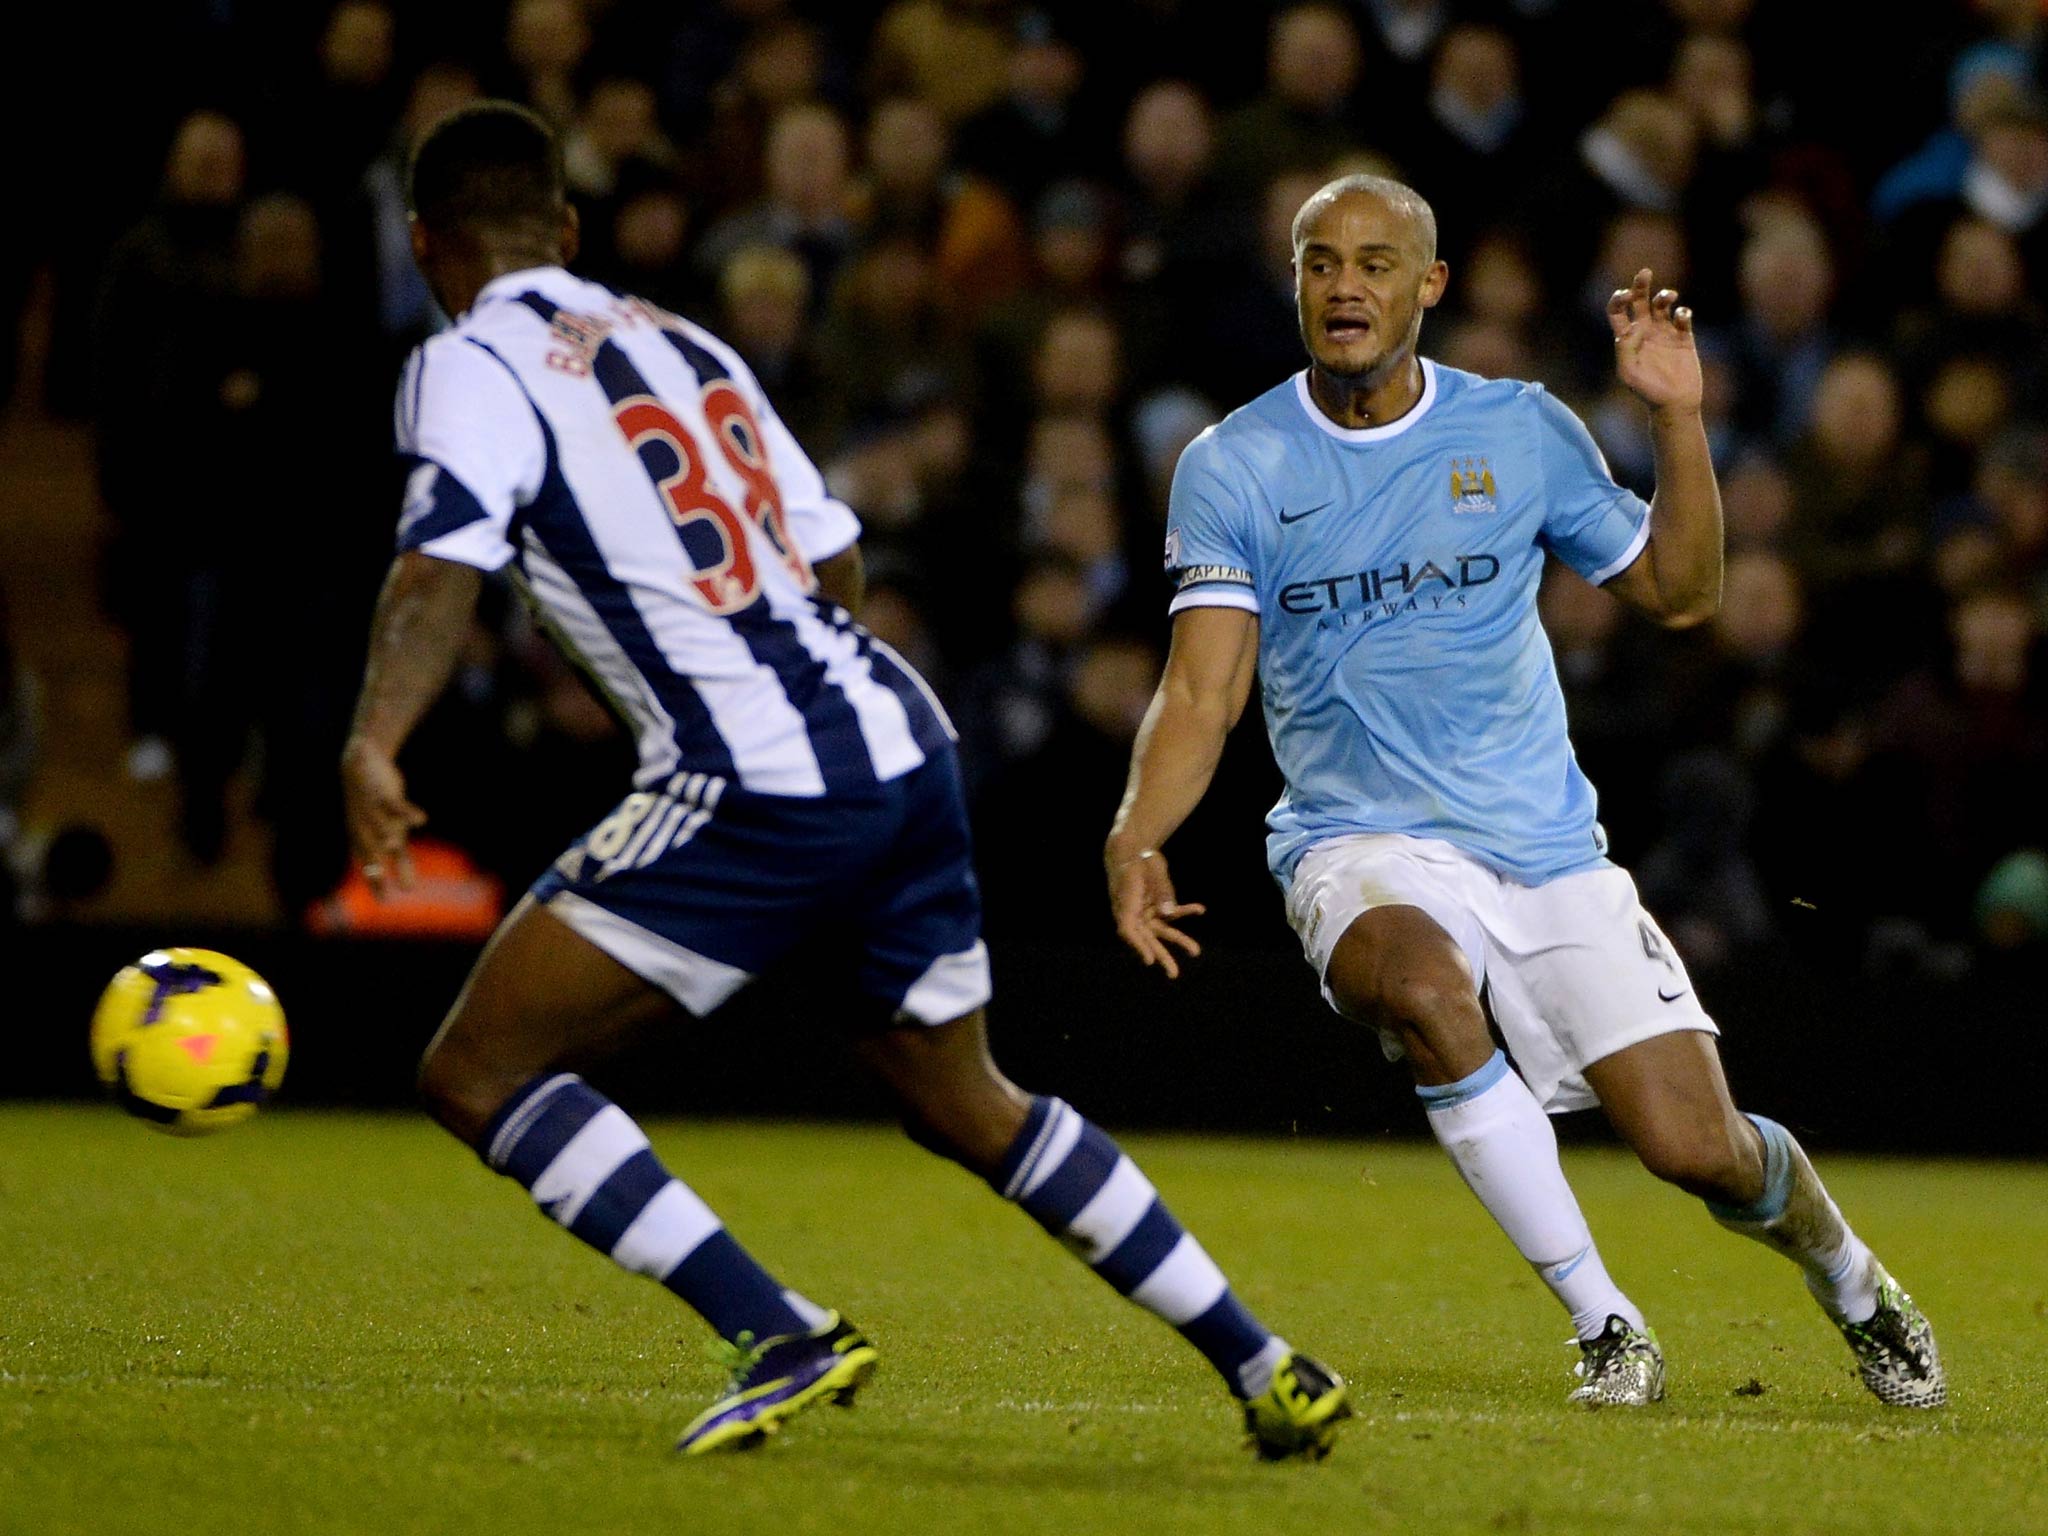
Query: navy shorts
x=699 y=886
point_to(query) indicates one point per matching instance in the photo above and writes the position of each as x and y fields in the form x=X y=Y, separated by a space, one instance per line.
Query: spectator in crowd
x=956 y=56
x=884 y=332
x=1756 y=503
x=2004 y=181
x=1639 y=154
x=699 y=57
x=1400 y=38
x=616 y=127
x=1078 y=365
x=1699 y=875
x=1041 y=130
x=1783 y=340
x=1634 y=239
x=1985 y=79
x=347 y=113
x=1616 y=696
x=764 y=302
x=546 y=42
x=1998 y=532
x=1964 y=401
x=1967 y=741
x=1737 y=693
x=1008 y=706
x=2007 y=181
x=1175 y=214
x=1712 y=78
x=624 y=175
x=1070 y=269
x=906 y=150
x=1858 y=486
x=966 y=222
x=404 y=311
x=1473 y=153
x=289 y=360
x=1068 y=452
x=781 y=65
x=1241 y=335
x=1182 y=237
x=2012 y=904
x=1500 y=287
x=641 y=241
x=1304 y=118
x=163 y=307
x=1094 y=718
x=1162 y=426
x=1976 y=351
x=806 y=200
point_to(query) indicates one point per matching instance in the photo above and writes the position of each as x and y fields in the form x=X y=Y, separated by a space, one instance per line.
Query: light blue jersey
x=1408 y=686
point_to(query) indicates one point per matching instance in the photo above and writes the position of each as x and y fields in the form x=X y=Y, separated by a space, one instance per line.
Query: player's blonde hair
x=1397 y=195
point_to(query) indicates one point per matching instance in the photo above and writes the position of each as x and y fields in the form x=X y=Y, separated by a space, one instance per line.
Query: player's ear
x=1434 y=282
x=417 y=233
x=572 y=233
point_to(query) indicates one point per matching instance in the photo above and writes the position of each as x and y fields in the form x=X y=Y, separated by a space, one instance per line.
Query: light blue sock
x=1796 y=1216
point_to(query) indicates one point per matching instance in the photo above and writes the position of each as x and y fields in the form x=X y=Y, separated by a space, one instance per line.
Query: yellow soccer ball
x=189 y=1040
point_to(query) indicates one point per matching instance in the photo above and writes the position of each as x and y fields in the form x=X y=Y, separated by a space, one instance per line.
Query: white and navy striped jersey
x=664 y=521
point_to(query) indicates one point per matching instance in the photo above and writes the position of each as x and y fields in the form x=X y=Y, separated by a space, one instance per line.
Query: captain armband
x=1199 y=575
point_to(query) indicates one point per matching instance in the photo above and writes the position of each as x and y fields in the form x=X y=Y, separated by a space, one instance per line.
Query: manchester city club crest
x=1471 y=485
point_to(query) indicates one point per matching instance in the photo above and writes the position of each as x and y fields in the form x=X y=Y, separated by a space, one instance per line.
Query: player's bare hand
x=1142 y=901
x=380 y=817
x=1653 y=346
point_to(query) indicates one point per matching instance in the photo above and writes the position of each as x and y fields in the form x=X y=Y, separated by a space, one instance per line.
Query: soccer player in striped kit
x=795 y=776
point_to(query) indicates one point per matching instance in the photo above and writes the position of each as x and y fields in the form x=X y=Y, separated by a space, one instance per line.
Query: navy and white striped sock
x=589 y=1168
x=1078 y=1184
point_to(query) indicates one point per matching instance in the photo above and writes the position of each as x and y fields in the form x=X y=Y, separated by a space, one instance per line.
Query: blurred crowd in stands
x=997 y=262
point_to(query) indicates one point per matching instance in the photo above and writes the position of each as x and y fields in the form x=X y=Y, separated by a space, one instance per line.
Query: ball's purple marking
x=172 y=978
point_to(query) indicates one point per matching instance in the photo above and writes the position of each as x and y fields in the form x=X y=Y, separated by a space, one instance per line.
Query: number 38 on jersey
x=712 y=531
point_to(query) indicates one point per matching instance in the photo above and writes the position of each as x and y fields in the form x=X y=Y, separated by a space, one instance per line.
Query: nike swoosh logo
x=1669 y=997
x=1298 y=516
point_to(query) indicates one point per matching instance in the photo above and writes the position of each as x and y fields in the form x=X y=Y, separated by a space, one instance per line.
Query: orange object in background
x=451 y=898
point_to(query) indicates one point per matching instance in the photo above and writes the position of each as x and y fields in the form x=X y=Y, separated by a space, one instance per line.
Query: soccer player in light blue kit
x=1367 y=538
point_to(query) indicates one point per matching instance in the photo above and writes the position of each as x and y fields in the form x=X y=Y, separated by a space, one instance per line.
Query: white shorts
x=1574 y=969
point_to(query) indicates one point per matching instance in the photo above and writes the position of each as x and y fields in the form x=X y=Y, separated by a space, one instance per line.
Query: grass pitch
x=343 y=1323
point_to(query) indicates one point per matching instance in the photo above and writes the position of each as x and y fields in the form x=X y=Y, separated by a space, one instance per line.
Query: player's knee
x=1434 y=1004
x=1437 y=1019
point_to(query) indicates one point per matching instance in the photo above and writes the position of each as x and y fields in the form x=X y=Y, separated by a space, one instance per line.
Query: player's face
x=1361 y=283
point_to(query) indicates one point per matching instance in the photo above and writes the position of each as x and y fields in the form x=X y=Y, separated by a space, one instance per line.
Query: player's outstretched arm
x=1208 y=678
x=423 y=613
x=1677 y=578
